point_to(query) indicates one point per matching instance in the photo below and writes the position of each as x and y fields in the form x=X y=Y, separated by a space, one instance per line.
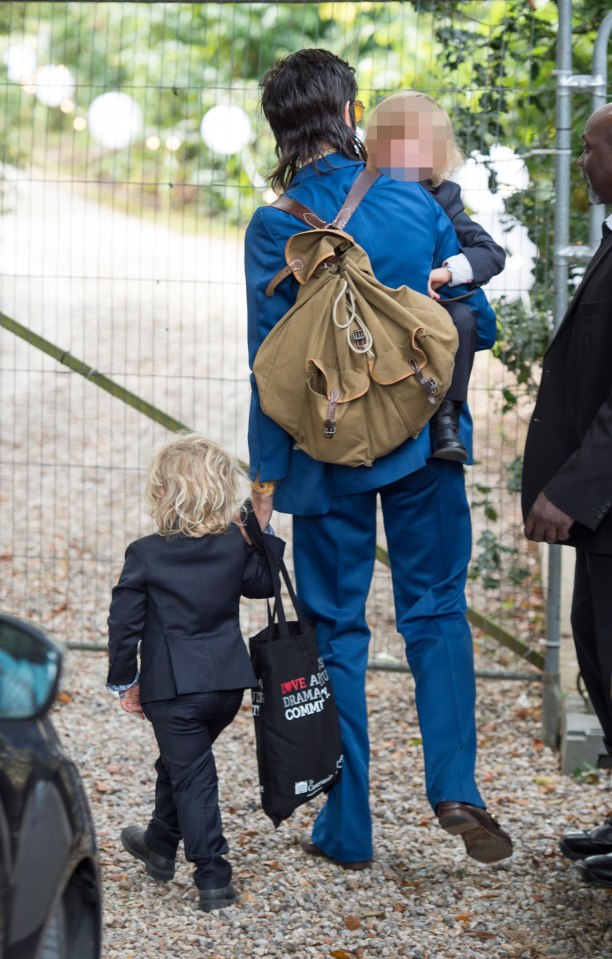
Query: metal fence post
x=551 y=705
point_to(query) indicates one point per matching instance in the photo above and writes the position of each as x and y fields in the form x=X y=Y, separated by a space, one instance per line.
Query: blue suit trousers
x=428 y=529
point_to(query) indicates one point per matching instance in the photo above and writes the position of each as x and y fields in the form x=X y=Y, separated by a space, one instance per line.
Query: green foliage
x=587 y=775
x=495 y=563
x=523 y=334
x=514 y=471
x=490 y=62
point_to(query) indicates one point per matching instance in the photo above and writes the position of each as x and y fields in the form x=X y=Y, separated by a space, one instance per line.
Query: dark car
x=50 y=890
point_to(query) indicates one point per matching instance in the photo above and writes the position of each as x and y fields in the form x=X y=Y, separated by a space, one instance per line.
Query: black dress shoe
x=444 y=431
x=484 y=838
x=218 y=898
x=158 y=867
x=579 y=845
x=597 y=869
x=312 y=850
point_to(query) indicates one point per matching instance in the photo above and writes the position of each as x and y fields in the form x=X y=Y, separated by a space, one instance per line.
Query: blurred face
x=408 y=139
x=595 y=161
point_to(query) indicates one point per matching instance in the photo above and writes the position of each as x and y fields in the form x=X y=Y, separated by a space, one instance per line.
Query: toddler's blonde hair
x=454 y=155
x=193 y=487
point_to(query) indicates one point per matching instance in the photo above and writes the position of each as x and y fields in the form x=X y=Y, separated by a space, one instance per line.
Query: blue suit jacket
x=179 y=598
x=405 y=232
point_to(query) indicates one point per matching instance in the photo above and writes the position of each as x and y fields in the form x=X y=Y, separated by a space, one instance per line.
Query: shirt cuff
x=122 y=688
x=461 y=271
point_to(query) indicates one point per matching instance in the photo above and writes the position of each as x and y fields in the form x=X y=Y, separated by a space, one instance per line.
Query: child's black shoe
x=218 y=898
x=158 y=867
x=444 y=428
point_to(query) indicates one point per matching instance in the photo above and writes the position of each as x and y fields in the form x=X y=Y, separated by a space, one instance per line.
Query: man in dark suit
x=567 y=475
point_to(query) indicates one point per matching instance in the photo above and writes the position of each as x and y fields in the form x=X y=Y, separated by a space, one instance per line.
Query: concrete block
x=581 y=735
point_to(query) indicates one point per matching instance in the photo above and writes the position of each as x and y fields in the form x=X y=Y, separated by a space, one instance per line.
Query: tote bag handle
x=257 y=537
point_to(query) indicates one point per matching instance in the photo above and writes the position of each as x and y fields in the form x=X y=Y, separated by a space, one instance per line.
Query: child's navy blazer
x=179 y=597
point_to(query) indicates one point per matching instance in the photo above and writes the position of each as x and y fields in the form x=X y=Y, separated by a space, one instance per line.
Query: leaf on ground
x=464 y=917
x=352 y=922
x=341 y=954
x=103 y=787
x=64 y=698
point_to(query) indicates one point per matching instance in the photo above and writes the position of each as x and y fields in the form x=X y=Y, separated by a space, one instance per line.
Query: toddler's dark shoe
x=158 y=867
x=444 y=430
x=218 y=898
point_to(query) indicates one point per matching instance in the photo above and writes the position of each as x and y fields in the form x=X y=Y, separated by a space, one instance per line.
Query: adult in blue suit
x=309 y=101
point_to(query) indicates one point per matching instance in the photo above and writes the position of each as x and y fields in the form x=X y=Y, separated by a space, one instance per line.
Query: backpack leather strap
x=289 y=205
x=354 y=197
x=360 y=187
x=302 y=212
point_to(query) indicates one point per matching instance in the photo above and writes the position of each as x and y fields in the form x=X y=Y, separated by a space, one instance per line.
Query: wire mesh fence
x=133 y=154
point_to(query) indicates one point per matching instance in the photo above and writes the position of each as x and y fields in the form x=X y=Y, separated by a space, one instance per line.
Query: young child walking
x=410 y=137
x=178 y=597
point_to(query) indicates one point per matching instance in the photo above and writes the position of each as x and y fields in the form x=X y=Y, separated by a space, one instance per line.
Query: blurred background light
x=20 y=62
x=226 y=129
x=115 y=120
x=54 y=84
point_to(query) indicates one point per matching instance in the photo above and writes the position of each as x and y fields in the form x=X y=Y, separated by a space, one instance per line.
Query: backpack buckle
x=430 y=386
x=329 y=426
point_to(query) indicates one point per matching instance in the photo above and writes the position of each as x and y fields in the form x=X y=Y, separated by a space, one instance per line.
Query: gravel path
x=422 y=899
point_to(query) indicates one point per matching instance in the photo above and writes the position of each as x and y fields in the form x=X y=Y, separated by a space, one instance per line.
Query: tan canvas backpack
x=354 y=368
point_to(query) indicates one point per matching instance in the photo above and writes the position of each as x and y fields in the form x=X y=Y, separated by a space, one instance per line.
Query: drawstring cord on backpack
x=361 y=340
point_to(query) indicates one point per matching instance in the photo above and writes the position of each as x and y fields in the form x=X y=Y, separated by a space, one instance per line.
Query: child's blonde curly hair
x=193 y=487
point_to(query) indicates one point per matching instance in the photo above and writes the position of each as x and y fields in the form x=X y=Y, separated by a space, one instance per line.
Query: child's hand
x=437 y=278
x=130 y=701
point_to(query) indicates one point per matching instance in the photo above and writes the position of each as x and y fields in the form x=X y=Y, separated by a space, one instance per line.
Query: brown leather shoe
x=484 y=838
x=311 y=850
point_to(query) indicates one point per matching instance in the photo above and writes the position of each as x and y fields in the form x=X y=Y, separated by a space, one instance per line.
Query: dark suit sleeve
x=487 y=258
x=126 y=618
x=257 y=581
x=582 y=488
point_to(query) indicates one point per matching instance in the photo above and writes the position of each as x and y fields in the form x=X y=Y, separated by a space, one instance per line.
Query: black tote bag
x=299 y=751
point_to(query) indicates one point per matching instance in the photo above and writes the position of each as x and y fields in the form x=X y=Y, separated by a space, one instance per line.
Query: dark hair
x=303 y=100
